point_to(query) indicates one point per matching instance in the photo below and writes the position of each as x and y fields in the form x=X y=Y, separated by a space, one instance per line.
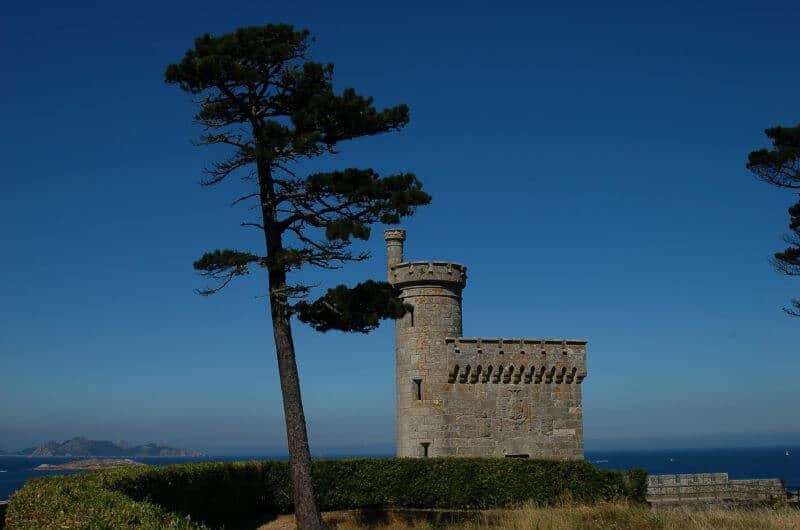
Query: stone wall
x=421 y=366
x=711 y=488
x=514 y=397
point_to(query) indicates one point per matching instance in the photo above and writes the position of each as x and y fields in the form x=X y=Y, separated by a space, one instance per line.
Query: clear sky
x=586 y=164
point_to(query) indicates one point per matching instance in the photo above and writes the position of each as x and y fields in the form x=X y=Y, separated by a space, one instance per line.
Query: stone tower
x=477 y=396
x=434 y=290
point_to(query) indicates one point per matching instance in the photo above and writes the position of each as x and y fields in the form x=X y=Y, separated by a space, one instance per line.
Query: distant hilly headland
x=81 y=446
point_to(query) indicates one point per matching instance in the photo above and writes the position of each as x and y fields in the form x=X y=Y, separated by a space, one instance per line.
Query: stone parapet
x=428 y=272
x=711 y=488
x=394 y=234
x=499 y=345
x=755 y=490
x=516 y=361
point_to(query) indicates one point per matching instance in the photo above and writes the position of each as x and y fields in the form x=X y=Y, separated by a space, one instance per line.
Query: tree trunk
x=305 y=505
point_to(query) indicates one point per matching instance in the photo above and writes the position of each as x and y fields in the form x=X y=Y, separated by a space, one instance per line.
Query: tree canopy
x=262 y=78
x=780 y=166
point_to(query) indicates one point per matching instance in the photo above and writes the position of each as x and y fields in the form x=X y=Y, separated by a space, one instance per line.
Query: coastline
x=108 y=457
x=89 y=464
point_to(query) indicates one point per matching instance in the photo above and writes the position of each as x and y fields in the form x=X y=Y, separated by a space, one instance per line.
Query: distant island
x=84 y=447
x=91 y=464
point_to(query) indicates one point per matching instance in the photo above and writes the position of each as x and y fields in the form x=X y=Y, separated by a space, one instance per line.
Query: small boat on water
x=788 y=453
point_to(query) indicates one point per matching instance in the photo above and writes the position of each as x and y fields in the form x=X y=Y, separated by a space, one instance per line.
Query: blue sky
x=586 y=164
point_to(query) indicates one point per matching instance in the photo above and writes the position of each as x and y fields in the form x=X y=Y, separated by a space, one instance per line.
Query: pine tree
x=260 y=94
x=780 y=166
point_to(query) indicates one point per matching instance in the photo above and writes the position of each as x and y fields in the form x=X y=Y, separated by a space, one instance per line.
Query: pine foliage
x=260 y=95
x=780 y=166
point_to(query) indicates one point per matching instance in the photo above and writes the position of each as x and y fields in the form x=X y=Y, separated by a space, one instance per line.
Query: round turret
x=394 y=247
x=433 y=289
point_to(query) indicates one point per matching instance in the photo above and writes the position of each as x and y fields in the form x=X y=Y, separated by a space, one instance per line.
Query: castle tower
x=477 y=396
x=433 y=289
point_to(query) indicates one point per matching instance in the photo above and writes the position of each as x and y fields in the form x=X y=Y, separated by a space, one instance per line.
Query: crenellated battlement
x=427 y=272
x=506 y=345
x=503 y=360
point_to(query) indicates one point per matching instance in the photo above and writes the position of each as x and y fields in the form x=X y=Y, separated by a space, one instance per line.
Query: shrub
x=212 y=494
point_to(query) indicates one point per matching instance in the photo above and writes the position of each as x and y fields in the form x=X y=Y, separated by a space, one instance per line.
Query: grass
x=607 y=515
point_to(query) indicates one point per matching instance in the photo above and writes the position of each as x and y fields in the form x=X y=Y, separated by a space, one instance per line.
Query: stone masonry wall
x=514 y=397
x=711 y=488
x=421 y=359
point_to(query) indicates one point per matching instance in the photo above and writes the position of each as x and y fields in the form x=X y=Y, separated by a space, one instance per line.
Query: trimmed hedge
x=206 y=495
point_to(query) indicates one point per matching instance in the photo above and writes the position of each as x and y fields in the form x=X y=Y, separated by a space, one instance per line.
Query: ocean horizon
x=739 y=463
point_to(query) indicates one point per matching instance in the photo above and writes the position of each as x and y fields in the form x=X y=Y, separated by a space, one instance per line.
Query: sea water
x=775 y=462
x=738 y=463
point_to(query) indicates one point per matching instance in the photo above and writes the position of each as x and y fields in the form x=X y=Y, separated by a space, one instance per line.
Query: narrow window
x=418 y=389
x=408 y=318
x=517 y=456
x=425 y=446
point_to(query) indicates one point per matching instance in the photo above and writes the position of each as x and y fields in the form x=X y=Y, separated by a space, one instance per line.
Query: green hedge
x=214 y=494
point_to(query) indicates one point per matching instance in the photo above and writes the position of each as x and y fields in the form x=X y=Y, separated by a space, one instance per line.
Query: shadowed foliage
x=780 y=166
x=358 y=309
x=238 y=494
x=261 y=96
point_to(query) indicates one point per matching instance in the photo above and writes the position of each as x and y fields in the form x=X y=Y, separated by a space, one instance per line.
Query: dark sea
x=738 y=463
